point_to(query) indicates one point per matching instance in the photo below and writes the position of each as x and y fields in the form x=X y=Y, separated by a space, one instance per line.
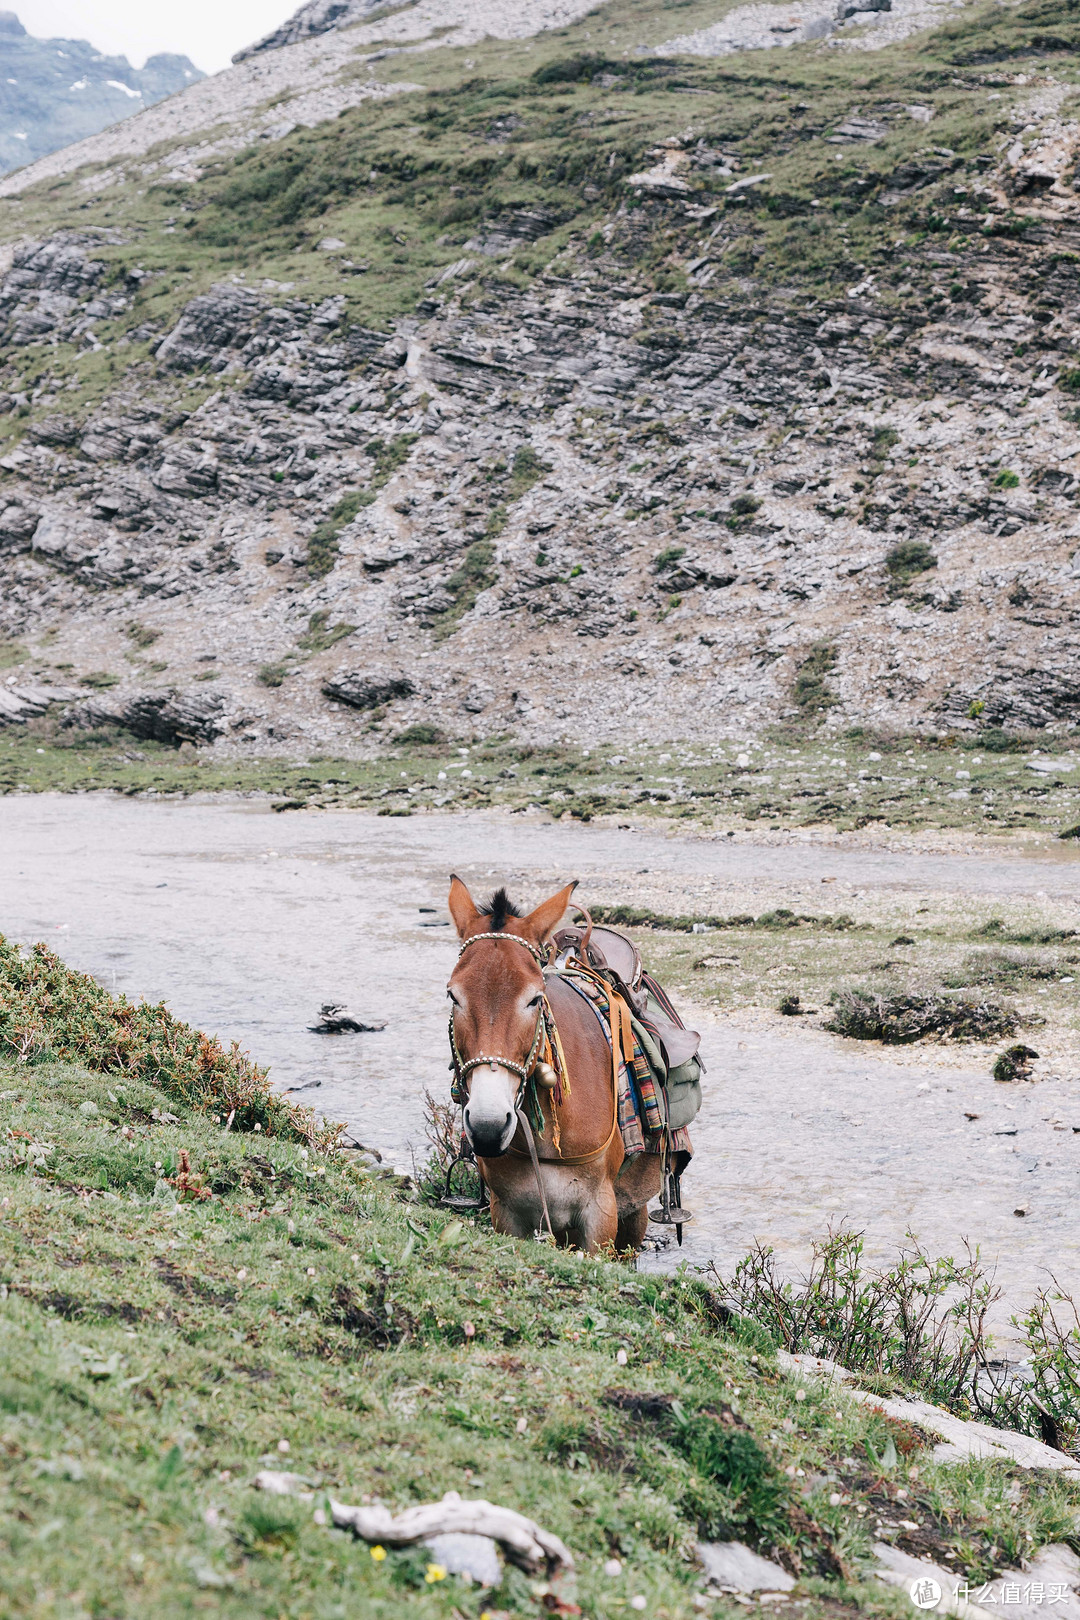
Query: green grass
x=321 y=635
x=12 y=653
x=182 y=1306
x=386 y=458
x=976 y=784
x=51 y=1012
x=473 y=574
x=810 y=690
x=907 y=561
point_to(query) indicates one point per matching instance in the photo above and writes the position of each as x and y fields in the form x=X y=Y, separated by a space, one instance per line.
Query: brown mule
x=594 y=1196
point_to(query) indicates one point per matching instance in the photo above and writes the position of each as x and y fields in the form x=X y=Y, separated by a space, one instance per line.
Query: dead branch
x=524 y=1543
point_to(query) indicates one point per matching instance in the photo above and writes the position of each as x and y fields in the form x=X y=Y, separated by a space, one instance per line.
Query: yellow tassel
x=560 y=1065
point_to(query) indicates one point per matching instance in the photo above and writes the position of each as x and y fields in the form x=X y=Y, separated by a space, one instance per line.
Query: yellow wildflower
x=435 y=1572
x=378 y=1554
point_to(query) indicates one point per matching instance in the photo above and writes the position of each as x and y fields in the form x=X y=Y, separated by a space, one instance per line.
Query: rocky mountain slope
x=56 y=91
x=583 y=381
x=316 y=17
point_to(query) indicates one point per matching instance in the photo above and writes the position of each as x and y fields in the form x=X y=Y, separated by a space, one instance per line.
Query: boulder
x=17 y=526
x=169 y=717
x=367 y=689
x=210 y=326
x=316 y=17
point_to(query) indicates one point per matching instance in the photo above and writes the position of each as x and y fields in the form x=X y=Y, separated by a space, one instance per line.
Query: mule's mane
x=500 y=908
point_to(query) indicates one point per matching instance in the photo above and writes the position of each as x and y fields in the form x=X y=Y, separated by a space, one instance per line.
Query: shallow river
x=245 y=922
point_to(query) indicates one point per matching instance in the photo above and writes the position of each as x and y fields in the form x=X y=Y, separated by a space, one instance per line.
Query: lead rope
x=527 y=1132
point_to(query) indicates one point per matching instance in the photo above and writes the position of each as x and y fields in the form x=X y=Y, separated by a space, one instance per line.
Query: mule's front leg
x=516 y=1210
x=597 y=1220
x=514 y=1218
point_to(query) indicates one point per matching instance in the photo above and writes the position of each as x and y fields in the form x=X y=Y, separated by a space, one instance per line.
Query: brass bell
x=545 y=1076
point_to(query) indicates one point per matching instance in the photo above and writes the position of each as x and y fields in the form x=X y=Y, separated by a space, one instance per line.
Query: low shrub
x=909 y=559
x=995 y=929
x=898 y=1017
x=810 y=691
x=1004 y=967
x=1014 y=1064
x=920 y=1320
x=781 y=918
x=994 y=741
x=573 y=69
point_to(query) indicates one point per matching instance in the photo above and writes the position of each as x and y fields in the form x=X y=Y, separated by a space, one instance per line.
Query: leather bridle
x=463 y=1067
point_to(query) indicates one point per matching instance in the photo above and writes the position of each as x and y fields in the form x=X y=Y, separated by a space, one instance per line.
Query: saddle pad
x=641 y=1115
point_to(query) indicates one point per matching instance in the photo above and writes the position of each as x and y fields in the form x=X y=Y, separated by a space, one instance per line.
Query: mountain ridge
x=57 y=91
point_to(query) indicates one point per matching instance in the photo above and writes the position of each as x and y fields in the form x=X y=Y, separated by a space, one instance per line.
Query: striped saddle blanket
x=641 y=1109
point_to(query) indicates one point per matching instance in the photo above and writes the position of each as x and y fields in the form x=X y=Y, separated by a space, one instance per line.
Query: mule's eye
x=452 y=996
x=535 y=1002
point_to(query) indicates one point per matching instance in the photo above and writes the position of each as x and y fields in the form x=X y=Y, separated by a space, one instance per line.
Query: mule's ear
x=549 y=914
x=462 y=908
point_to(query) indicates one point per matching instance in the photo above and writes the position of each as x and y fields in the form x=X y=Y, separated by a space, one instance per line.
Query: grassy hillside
x=556 y=125
x=172 y=1324
x=982 y=783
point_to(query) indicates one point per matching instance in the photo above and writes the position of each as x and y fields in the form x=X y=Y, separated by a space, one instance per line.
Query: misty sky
x=206 y=30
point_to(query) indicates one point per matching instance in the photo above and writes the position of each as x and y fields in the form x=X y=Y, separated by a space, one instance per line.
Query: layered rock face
x=606 y=481
x=570 y=512
x=317 y=17
x=55 y=91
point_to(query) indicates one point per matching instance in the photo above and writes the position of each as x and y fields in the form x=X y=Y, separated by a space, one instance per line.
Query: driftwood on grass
x=524 y=1543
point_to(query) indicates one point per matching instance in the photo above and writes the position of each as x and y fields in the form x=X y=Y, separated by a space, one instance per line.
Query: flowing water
x=245 y=922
